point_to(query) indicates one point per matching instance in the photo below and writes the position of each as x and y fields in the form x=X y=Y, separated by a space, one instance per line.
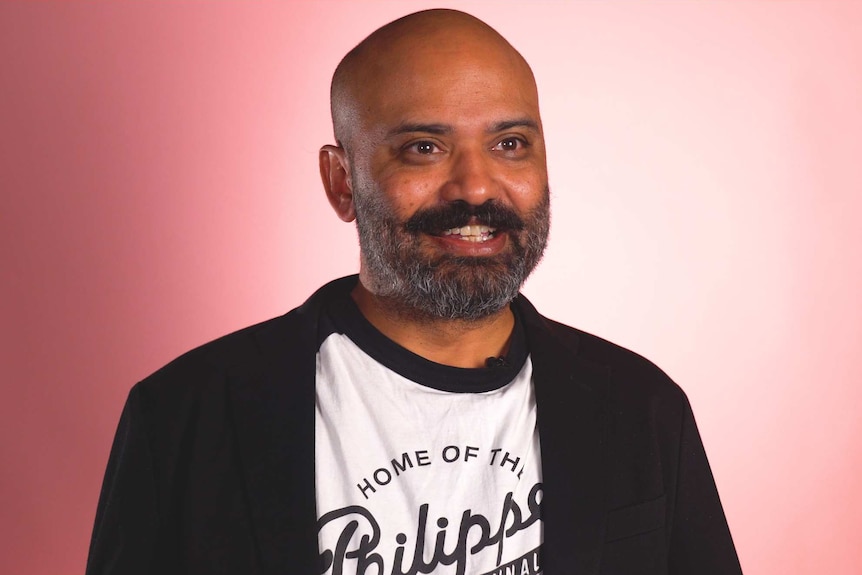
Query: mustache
x=459 y=213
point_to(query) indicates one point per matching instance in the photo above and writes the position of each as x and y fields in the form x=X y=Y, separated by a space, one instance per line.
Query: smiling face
x=442 y=165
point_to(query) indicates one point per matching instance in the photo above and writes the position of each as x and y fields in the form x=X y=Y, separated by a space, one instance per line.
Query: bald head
x=411 y=50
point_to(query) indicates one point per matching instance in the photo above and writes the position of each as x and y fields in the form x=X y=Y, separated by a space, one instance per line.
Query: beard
x=445 y=286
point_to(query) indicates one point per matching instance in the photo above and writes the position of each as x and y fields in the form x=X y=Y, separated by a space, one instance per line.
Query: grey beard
x=450 y=288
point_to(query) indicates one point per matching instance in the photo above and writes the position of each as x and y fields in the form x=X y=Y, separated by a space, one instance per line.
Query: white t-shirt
x=421 y=467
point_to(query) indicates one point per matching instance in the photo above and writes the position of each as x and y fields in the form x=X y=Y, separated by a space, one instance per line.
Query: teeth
x=472 y=233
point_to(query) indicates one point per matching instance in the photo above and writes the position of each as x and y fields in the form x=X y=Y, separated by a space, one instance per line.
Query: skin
x=433 y=108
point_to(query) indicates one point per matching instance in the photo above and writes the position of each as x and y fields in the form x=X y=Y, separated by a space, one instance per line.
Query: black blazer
x=212 y=466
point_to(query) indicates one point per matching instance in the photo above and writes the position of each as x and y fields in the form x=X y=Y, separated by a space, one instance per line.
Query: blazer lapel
x=571 y=397
x=274 y=419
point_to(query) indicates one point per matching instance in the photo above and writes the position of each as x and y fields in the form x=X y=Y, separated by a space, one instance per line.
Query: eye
x=510 y=144
x=424 y=147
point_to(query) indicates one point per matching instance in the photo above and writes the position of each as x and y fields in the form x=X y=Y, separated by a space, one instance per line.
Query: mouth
x=471 y=233
x=479 y=229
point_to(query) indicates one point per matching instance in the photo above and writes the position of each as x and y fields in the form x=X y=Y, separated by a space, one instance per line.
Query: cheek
x=528 y=191
x=403 y=189
x=407 y=193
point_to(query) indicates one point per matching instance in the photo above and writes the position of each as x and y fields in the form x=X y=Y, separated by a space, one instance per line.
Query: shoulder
x=630 y=375
x=243 y=354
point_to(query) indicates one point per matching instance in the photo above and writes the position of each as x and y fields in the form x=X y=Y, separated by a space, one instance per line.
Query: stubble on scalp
x=365 y=63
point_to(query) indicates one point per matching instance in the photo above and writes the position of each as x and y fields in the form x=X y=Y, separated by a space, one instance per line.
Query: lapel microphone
x=496 y=362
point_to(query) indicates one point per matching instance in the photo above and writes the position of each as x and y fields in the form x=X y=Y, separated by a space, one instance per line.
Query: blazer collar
x=571 y=399
x=274 y=421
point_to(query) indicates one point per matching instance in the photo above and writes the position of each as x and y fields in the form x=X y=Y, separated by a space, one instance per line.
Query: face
x=449 y=183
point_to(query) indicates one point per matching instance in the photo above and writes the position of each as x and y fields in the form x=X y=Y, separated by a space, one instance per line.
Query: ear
x=335 y=174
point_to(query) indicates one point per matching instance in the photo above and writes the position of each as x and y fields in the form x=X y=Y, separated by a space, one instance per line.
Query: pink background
x=159 y=188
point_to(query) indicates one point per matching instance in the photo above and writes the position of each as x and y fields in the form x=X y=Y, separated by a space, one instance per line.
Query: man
x=421 y=417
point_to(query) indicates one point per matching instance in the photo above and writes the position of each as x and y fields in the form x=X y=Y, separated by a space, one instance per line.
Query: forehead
x=461 y=82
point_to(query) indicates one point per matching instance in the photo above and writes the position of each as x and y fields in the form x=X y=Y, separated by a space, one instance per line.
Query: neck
x=450 y=342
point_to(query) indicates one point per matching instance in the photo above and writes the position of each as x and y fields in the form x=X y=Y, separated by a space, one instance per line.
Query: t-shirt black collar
x=346 y=318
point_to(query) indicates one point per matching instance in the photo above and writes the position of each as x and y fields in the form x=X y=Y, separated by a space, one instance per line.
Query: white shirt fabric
x=423 y=477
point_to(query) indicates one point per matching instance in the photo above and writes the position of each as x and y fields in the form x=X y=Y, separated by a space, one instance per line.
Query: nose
x=472 y=178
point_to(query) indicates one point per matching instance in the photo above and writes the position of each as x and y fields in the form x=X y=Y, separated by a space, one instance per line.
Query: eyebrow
x=407 y=128
x=443 y=129
x=517 y=123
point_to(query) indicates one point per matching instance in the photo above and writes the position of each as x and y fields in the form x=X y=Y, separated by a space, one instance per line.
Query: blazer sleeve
x=700 y=541
x=127 y=523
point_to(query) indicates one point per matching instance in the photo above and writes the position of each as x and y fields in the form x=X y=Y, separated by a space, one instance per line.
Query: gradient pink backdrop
x=159 y=188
